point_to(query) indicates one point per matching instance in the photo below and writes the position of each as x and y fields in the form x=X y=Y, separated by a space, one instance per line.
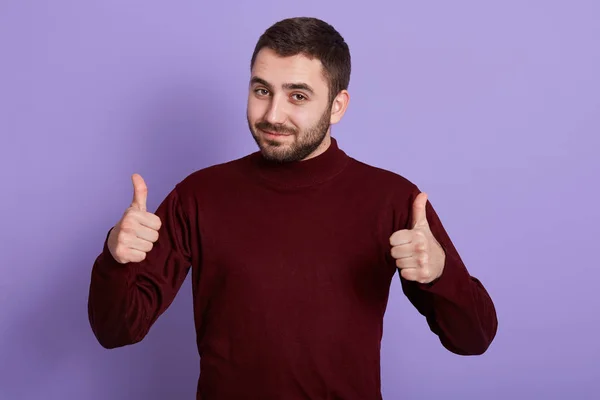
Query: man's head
x=300 y=71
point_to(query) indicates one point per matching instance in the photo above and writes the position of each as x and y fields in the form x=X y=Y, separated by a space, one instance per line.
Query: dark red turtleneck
x=291 y=270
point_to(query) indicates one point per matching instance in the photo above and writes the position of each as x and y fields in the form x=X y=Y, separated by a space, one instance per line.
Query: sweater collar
x=302 y=173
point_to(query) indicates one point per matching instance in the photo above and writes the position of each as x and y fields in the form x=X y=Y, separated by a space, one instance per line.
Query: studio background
x=490 y=107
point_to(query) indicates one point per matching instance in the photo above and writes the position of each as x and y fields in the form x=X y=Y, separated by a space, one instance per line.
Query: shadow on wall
x=180 y=130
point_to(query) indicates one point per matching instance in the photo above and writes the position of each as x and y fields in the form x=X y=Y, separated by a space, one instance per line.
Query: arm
x=125 y=299
x=456 y=305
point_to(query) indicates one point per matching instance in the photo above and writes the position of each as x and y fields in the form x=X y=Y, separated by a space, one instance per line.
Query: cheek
x=302 y=118
x=255 y=110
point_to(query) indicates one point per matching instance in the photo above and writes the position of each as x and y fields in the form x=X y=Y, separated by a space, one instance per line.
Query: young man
x=292 y=249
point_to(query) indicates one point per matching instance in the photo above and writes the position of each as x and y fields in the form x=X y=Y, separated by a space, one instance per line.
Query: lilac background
x=491 y=107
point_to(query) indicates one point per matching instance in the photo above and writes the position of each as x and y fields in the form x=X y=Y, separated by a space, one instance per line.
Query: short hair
x=312 y=38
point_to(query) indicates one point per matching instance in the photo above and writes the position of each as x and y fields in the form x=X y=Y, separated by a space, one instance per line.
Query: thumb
x=140 y=192
x=419 y=214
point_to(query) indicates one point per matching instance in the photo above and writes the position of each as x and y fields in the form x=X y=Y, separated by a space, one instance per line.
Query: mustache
x=267 y=126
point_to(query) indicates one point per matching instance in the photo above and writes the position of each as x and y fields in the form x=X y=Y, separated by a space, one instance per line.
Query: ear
x=339 y=106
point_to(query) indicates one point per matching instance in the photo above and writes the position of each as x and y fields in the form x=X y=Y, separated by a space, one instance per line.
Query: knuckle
x=122 y=236
x=406 y=274
x=120 y=255
x=128 y=214
x=126 y=224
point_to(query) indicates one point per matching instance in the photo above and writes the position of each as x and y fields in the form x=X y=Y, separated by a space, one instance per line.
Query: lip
x=272 y=134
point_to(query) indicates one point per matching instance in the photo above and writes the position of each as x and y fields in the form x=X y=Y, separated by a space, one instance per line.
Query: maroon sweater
x=291 y=270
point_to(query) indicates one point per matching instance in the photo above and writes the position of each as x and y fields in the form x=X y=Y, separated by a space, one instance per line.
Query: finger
x=149 y=220
x=407 y=263
x=141 y=245
x=419 y=242
x=401 y=237
x=145 y=233
x=136 y=255
x=403 y=251
x=140 y=192
x=419 y=212
x=410 y=274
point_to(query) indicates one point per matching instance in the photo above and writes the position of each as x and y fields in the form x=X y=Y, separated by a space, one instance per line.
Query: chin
x=273 y=154
x=278 y=152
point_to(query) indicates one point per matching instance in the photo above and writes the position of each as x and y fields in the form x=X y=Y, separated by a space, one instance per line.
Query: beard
x=305 y=143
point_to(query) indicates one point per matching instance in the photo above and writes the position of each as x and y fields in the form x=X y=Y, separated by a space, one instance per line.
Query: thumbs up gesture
x=137 y=231
x=418 y=254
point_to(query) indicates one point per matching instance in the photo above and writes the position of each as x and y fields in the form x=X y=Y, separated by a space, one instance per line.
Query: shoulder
x=214 y=176
x=393 y=191
x=378 y=179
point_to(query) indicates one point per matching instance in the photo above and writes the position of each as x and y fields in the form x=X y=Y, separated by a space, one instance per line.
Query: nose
x=276 y=112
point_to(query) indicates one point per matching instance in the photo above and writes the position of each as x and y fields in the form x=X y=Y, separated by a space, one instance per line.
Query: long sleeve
x=457 y=306
x=126 y=299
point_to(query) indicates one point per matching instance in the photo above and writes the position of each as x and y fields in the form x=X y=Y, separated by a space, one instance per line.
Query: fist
x=418 y=254
x=137 y=231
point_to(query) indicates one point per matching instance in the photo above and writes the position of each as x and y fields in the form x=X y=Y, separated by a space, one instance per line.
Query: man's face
x=289 y=112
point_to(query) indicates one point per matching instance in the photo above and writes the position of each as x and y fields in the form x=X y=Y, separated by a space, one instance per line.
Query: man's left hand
x=419 y=256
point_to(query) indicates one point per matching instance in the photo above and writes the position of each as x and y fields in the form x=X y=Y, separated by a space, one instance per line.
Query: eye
x=261 y=92
x=299 y=97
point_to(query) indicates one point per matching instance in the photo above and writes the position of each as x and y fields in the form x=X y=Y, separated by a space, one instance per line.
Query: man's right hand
x=137 y=231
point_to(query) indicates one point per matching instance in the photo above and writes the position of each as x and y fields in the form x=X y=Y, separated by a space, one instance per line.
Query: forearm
x=118 y=310
x=458 y=309
x=126 y=299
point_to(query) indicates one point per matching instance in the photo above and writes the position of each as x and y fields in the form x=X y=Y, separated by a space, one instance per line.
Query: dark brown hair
x=312 y=38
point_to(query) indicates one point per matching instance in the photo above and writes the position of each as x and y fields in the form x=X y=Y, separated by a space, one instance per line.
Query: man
x=292 y=249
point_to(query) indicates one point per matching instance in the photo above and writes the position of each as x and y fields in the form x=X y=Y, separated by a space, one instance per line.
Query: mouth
x=274 y=134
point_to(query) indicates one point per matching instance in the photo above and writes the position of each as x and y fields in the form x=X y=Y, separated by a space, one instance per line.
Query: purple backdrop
x=492 y=109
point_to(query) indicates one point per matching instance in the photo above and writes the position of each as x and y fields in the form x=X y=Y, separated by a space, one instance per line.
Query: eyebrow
x=287 y=86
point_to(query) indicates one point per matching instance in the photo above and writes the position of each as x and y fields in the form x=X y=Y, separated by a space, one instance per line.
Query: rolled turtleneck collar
x=302 y=173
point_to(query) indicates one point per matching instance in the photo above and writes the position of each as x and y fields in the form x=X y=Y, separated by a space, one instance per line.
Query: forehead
x=279 y=70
